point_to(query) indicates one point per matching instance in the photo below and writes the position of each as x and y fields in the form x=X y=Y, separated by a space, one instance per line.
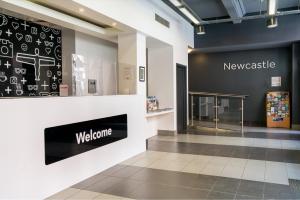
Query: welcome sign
x=65 y=141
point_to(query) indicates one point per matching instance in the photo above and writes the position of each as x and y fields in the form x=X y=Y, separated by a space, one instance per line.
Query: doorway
x=181 y=87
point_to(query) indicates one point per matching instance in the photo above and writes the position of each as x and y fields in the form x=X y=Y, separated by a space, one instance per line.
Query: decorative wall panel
x=30 y=58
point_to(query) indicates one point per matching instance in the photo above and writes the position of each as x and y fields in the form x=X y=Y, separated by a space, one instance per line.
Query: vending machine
x=278 y=110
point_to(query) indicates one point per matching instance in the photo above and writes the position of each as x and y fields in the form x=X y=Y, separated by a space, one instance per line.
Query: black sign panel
x=30 y=58
x=65 y=141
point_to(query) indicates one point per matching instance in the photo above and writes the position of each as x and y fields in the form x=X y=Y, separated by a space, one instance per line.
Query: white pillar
x=131 y=55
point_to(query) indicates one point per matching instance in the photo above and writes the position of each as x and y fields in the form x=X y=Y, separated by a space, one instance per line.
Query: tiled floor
x=195 y=167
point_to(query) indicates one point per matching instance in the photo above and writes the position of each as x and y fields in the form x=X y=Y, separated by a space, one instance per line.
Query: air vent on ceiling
x=162 y=21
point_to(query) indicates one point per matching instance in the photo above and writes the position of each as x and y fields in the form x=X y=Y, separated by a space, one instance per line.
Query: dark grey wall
x=206 y=74
x=248 y=34
x=295 y=85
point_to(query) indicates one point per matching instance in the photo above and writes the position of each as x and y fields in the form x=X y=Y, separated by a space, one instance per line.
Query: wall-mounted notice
x=276 y=81
x=30 y=58
x=65 y=141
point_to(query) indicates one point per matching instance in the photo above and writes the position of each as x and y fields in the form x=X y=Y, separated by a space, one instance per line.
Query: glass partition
x=218 y=111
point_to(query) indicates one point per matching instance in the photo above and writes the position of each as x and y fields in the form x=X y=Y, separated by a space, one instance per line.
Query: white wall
x=101 y=57
x=139 y=15
x=160 y=71
x=23 y=171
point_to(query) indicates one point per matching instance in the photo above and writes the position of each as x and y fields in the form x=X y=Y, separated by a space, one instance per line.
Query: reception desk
x=22 y=147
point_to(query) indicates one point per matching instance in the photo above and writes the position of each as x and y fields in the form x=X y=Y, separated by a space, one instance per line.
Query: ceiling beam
x=235 y=9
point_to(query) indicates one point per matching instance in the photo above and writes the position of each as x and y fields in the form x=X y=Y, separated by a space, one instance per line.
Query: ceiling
x=222 y=9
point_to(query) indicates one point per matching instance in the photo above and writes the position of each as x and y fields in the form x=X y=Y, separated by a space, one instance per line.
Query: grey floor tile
x=171 y=178
x=276 y=155
x=240 y=197
x=204 y=182
x=251 y=188
x=227 y=185
x=276 y=189
x=112 y=170
x=87 y=182
x=124 y=188
x=158 y=191
x=104 y=185
x=257 y=153
x=220 y=195
x=126 y=171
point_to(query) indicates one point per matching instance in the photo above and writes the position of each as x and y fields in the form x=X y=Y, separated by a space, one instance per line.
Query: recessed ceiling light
x=114 y=24
x=81 y=10
x=176 y=3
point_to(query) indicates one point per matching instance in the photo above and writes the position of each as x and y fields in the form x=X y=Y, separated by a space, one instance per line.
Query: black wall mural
x=30 y=58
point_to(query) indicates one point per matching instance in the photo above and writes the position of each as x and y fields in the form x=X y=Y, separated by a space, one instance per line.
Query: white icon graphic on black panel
x=20 y=71
x=24 y=47
x=32 y=87
x=28 y=38
x=48 y=50
x=48 y=44
x=44 y=85
x=36 y=60
x=6 y=49
x=7 y=65
x=19 y=36
x=55 y=31
x=49 y=73
x=25 y=25
x=15 y=25
x=54 y=86
x=23 y=81
x=19 y=90
x=13 y=80
x=3 y=77
x=43 y=35
x=8 y=32
x=46 y=28
x=8 y=90
x=57 y=52
x=34 y=30
x=38 y=42
x=3 y=20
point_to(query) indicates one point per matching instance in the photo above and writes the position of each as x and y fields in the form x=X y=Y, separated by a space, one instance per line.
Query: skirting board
x=296 y=126
x=166 y=133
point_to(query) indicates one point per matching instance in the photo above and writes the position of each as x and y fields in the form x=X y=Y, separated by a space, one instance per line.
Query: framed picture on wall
x=142 y=74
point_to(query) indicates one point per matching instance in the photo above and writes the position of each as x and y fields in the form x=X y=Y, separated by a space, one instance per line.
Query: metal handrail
x=219 y=94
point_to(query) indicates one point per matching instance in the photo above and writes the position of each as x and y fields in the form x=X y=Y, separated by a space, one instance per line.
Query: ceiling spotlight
x=200 y=30
x=81 y=10
x=272 y=22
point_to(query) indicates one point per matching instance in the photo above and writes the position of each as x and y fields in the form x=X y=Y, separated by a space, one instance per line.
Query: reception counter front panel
x=65 y=141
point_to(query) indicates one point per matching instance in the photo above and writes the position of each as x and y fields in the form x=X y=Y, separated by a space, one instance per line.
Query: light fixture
x=272 y=7
x=81 y=10
x=200 y=30
x=189 y=15
x=114 y=24
x=272 y=22
x=190 y=50
x=176 y=3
